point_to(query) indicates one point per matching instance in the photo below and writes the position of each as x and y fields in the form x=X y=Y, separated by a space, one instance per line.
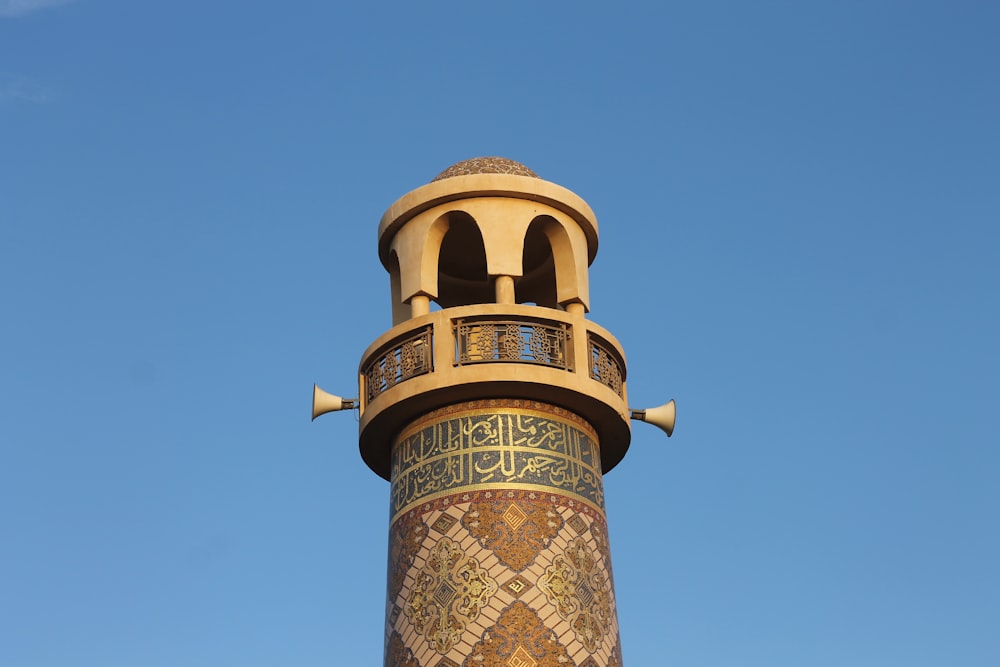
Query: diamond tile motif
x=444 y=523
x=445 y=662
x=522 y=658
x=394 y=614
x=585 y=593
x=514 y=516
x=444 y=594
x=516 y=586
x=578 y=524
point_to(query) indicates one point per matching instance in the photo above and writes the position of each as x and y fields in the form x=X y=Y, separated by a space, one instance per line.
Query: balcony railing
x=404 y=359
x=531 y=341
x=605 y=366
x=449 y=347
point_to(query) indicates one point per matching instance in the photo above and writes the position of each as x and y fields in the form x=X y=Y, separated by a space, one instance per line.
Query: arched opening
x=462 y=276
x=537 y=285
x=400 y=310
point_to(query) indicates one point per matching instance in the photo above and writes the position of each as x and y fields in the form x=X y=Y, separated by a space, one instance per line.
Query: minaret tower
x=494 y=418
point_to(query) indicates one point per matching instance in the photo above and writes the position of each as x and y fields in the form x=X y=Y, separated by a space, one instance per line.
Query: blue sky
x=799 y=207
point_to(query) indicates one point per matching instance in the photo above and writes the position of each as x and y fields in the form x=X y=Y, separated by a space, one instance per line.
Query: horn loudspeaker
x=324 y=401
x=662 y=417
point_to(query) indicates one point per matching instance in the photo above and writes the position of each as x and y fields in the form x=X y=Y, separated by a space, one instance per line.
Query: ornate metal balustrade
x=404 y=359
x=530 y=341
x=605 y=366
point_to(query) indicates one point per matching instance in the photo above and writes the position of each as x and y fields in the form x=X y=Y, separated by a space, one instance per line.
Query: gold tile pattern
x=520 y=638
x=503 y=575
x=515 y=544
x=579 y=591
x=449 y=590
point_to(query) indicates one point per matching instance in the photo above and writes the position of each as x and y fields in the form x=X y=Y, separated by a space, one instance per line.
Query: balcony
x=489 y=351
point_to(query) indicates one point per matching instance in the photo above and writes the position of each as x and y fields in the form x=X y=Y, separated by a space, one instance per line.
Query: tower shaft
x=498 y=547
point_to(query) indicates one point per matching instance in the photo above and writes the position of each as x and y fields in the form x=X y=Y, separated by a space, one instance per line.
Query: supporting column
x=420 y=305
x=498 y=543
x=505 y=289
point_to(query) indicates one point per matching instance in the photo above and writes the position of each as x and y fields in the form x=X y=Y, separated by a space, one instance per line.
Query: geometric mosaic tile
x=519 y=626
x=575 y=585
x=445 y=662
x=445 y=593
x=444 y=523
x=589 y=662
x=584 y=593
x=394 y=614
x=514 y=516
x=522 y=658
x=577 y=523
x=516 y=586
x=449 y=591
x=514 y=532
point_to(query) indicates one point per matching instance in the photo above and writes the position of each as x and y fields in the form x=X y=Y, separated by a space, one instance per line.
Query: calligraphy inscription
x=500 y=447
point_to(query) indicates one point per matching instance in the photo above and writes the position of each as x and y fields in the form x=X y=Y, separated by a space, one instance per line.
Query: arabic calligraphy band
x=498 y=444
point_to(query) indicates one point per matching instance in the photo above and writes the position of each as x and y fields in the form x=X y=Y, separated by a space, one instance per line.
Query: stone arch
x=417 y=246
x=537 y=283
x=400 y=309
x=462 y=276
x=555 y=264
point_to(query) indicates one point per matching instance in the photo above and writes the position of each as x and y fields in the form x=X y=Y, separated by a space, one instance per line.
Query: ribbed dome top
x=485 y=165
